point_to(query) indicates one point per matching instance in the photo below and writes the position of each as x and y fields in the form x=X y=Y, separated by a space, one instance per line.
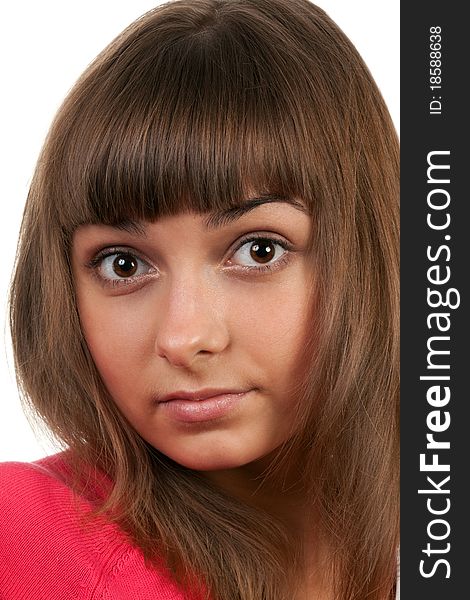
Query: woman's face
x=196 y=323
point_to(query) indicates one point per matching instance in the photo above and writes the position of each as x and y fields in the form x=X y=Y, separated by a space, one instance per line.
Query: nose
x=191 y=322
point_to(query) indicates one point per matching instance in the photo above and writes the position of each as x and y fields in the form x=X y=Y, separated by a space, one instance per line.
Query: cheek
x=272 y=322
x=117 y=337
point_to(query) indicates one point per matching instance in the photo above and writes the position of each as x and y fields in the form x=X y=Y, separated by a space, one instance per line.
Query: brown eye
x=125 y=265
x=259 y=253
x=262 y=251
x=121 y=267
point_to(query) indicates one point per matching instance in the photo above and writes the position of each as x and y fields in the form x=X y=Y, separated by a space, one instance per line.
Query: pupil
x=262 y=251
x=124 y=265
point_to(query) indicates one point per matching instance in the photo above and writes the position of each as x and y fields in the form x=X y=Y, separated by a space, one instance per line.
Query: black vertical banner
x=435 y=258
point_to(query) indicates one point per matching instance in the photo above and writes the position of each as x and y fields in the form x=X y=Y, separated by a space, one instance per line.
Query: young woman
x=204 y=311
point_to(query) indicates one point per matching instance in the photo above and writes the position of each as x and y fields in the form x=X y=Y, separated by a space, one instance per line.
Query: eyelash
x=95 y=263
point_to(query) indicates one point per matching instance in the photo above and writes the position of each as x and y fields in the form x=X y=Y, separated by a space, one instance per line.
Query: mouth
x=202 y=405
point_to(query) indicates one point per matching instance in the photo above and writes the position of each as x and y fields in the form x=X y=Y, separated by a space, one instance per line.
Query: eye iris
x=262 y=251
x=124 y=265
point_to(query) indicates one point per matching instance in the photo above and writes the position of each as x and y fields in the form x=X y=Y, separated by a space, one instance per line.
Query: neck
x=284 y=496
x=277 y=493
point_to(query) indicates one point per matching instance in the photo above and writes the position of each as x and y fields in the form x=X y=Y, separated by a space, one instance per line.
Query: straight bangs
x=193 y=110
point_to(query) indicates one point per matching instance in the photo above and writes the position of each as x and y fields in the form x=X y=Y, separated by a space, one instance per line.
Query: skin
x=195 y=315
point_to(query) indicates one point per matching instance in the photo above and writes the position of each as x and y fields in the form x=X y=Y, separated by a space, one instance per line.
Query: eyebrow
x=228 y=215
x=220 y=218
x=132 y=227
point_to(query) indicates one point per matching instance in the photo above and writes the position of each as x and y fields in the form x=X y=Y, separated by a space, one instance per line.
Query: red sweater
x=48 y=553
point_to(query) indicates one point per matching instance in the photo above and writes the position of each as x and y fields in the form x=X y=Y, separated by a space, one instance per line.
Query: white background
x=44 y=47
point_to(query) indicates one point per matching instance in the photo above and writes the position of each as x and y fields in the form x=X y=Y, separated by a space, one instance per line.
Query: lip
x=199 y=395
x=202 y=405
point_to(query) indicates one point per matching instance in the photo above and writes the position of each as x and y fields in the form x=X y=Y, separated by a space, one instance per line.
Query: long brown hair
x=192 y=105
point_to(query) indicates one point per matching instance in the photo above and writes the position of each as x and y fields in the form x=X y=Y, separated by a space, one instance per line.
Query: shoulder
x=30 y=494
x=32 y=483
x=33 y=496
x=38 y=529
x=50 y=550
